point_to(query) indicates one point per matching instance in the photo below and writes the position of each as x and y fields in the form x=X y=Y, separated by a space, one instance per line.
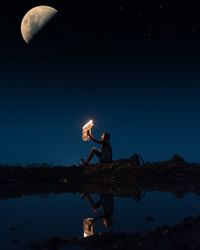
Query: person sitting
x=105 y=154
x=106 y=202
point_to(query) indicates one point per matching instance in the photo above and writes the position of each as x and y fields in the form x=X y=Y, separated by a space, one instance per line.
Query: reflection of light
x=88 y=227
x=87 y=127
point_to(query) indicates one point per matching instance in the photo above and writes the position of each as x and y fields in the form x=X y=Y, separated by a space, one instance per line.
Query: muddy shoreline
x=120 y=177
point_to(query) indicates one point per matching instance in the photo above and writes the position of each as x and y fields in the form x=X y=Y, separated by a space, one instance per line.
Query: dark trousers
x=94 y=151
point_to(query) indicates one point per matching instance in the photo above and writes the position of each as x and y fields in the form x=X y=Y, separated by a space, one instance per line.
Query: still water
x=36 y=218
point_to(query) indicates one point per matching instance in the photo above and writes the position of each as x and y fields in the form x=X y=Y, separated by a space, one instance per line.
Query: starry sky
x=131 y=66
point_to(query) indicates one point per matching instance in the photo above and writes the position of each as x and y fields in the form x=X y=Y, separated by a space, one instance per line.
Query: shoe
x=83 y=162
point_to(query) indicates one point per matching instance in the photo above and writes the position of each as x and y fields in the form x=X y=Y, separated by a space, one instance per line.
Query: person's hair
x=106 y=136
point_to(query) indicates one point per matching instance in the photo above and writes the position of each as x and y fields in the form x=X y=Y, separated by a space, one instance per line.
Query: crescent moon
x=35 y=19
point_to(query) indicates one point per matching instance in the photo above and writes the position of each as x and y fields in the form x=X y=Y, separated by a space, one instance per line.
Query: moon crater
x=35 y=19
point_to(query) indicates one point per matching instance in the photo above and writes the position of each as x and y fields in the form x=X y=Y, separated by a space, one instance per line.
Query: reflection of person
x=106 y=202
x=105 y=154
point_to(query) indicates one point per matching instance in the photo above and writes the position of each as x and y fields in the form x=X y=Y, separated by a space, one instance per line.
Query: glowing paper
x=87 y=127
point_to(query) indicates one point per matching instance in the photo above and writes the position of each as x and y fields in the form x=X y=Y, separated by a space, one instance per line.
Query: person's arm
x=95 y=205
x=96 y=219
x=92 y=138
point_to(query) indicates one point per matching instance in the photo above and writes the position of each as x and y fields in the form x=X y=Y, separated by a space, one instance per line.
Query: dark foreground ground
x=121 y=177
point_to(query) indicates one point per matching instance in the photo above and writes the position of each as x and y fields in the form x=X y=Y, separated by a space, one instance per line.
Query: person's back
x=107 y=202
x=106 y=152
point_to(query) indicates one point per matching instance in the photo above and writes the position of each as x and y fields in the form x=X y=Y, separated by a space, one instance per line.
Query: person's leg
x=91 y=201
x=94 y=151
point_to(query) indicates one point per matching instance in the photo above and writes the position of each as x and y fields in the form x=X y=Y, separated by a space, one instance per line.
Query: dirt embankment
x=121 y=177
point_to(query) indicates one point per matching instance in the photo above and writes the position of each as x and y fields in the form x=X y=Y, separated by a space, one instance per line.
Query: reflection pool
x=36 y=218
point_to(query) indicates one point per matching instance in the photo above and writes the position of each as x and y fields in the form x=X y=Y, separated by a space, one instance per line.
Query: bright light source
x=87 y=127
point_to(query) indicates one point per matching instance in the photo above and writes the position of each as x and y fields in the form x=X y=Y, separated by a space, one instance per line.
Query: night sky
x=131 y=66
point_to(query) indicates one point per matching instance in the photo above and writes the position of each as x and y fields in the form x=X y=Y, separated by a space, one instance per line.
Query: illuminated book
x=87 y=127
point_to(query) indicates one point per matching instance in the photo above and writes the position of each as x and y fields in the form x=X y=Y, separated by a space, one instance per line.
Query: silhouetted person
x=105 y=154
x=106 y=202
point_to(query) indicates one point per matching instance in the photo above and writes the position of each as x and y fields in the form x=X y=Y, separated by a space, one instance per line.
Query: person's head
x=108 y=222
x=105 y=136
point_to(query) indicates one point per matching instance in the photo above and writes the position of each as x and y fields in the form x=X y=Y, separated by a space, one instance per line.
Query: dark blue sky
x=144 y=89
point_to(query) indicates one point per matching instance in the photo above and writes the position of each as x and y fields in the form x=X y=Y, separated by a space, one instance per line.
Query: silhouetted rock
x=177 y=158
